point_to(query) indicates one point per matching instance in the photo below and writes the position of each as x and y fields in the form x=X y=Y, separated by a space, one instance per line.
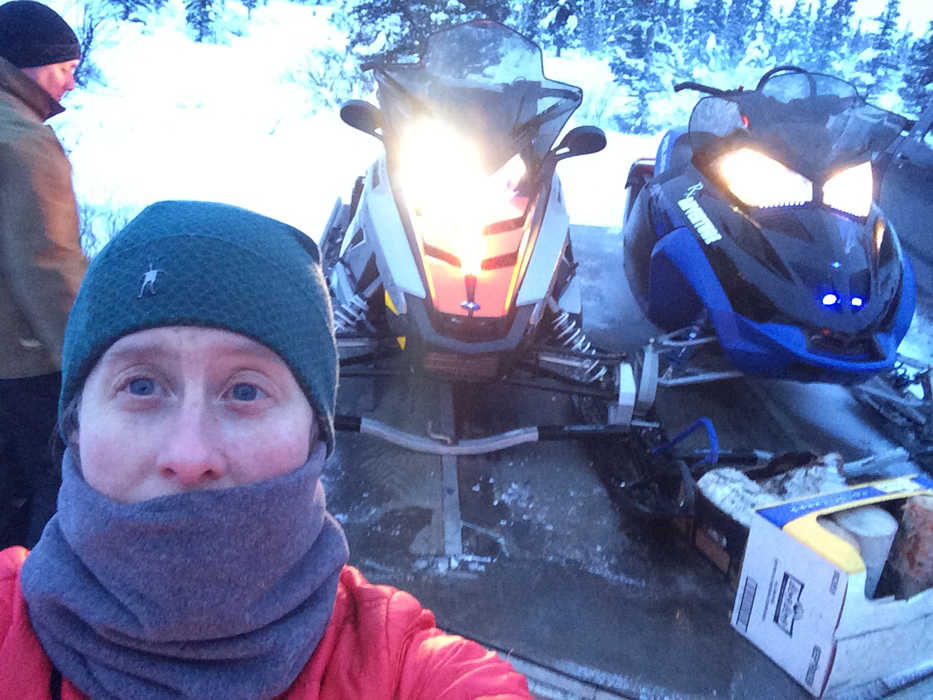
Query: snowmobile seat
x=674 y=151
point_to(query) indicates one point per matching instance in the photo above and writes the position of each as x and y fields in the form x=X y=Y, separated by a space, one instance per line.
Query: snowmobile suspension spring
x=348 y=315
x=567 y=331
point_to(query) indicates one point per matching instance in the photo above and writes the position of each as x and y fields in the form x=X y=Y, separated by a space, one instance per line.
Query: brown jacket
x=41 y=262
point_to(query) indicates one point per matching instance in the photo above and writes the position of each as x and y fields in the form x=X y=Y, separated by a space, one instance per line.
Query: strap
x=55 y=684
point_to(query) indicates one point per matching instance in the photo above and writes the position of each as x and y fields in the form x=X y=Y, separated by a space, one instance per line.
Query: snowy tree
x=822 y=40
x=764 y=17
x=757 y=58
x=676 y=20
x=200 y=16
x=738 y=30
x=593 y=20
x=250 y=5
x=877 y=66
x=794 y=36
x=706 y=22
x=396 y=29
x=644 y=60
x=840 y=17
x=91 y=21
x=526 y=18
x=886 y=36
x=917 y=90
x=128 y=8
x=559 y=24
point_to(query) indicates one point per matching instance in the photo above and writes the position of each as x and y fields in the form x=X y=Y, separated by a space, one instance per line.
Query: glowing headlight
x=760 y=181
x=449 y=195
x=436 y=163
x=850 y=190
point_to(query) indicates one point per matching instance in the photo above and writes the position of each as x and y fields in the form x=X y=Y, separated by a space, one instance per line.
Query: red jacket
x=380 y=644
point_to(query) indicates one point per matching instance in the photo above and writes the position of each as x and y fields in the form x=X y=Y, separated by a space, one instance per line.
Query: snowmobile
x=757 y=230
x=755 y=241
x=454 y=249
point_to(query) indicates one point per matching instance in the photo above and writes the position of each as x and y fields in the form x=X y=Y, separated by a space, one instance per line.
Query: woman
x=192 y=555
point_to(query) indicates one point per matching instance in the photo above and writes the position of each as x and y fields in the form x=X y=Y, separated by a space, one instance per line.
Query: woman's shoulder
x=374 y=604
x=382 y=639
x=24 y=667
x=11 y=561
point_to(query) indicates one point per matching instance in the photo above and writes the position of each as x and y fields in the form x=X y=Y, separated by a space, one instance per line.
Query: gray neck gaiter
x=208 y=594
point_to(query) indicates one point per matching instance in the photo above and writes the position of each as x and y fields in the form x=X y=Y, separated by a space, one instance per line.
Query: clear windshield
x=809 y=121
x=485 y=81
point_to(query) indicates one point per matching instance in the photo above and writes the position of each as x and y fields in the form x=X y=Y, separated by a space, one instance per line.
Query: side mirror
x=363 y=116
x=580 y=141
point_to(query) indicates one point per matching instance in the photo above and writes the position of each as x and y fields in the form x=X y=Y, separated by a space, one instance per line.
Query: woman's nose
x=191 y=455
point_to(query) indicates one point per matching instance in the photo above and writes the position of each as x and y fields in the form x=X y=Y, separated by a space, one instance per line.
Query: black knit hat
x=211 y=265
x=32 y=34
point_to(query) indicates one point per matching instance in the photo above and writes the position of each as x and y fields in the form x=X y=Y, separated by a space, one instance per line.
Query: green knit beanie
x=211 y=265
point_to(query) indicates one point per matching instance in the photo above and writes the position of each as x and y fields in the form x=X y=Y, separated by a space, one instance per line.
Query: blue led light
x=857 y=301
x=836 y=264
x=830 y=299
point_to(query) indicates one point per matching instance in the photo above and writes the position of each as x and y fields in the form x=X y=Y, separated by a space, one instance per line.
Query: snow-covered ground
x=253 y=122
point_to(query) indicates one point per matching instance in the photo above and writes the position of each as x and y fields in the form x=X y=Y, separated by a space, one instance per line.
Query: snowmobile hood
x=812 y=123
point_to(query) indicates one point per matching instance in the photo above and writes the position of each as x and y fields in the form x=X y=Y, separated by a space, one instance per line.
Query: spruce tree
x=917 y=91
x=559 y=25
x=878 y=67
x=645 y=62
x=200 y=16
x=703 y=34
x=397 y=30
x=593 y=24
x=793 y=36
x=738 y=30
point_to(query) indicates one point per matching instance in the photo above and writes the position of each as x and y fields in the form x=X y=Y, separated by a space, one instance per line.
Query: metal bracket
x=622 y=411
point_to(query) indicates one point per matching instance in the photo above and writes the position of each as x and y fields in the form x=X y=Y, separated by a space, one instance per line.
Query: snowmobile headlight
x=850 y=190
x=450 y=197
x=761 y=181
x=437 y=166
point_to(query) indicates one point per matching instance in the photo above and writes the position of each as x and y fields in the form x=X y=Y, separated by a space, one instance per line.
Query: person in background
x=41 y=261
x=192 y=555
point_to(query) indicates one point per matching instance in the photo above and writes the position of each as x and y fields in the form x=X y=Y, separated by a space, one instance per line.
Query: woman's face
x=181 y=408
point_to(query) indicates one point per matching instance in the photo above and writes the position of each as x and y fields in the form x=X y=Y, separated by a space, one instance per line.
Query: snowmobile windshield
x=812 y=123
x=483 y=82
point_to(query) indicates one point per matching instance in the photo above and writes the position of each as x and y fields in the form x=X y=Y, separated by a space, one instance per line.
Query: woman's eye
x=141 y=386
x=246 y=392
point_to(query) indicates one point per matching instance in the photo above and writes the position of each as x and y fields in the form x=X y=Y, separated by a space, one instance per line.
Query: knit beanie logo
x=149 y=279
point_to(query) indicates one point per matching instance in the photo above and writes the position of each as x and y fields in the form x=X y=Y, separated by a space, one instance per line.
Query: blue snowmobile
x=757 y=232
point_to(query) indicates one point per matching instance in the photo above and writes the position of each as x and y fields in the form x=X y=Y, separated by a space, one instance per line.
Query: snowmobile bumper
x=774 y=349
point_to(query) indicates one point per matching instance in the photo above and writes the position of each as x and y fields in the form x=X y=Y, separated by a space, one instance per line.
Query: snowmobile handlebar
x=699 y=87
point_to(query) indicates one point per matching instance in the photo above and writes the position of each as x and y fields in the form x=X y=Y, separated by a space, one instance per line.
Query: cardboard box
x=801 y=597
x=717 y=536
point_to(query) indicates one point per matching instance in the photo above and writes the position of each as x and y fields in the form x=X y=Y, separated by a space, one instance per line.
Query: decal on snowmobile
x=699 y=220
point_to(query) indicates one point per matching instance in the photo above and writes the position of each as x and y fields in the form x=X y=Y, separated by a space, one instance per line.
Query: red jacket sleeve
x=383 y=644
x=449 y=667
x=24 y=667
